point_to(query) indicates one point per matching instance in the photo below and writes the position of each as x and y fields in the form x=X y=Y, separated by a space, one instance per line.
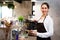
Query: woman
x=44 y=25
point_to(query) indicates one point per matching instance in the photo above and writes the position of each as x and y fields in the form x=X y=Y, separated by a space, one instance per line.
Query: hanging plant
x=11 y=6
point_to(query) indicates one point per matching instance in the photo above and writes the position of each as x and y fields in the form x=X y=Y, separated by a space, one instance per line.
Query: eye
x=42 y=8
x=45 y=7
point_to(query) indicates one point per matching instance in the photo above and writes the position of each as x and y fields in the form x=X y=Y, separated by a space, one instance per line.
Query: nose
x=44 y=9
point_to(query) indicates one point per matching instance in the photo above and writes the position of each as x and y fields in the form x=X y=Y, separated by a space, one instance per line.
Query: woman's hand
x=33 y=32
x=33 y=20
x=22 y=38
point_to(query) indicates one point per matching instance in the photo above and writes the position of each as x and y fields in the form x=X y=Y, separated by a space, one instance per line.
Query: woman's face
x=44 y=9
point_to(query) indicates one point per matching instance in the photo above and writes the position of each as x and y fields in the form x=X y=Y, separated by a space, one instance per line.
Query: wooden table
x=5 y=32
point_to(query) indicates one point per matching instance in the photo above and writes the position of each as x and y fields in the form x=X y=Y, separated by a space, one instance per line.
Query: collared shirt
x=48 y=24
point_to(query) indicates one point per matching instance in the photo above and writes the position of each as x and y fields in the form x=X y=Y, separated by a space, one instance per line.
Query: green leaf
x=21 y=18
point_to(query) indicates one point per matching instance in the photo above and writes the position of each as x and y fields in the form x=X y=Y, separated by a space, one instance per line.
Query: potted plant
x=11 y=6
x=20 y=18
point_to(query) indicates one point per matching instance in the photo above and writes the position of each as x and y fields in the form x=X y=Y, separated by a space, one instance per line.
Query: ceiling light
x=4 y=3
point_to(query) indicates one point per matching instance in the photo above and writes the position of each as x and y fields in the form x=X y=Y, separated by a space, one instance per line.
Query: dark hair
x=45 y=4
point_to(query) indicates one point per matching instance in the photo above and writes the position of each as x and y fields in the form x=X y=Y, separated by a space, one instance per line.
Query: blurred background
x=24 y=8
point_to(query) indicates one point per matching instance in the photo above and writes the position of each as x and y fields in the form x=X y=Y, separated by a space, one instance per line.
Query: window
x=0 y=12
x=5 y=12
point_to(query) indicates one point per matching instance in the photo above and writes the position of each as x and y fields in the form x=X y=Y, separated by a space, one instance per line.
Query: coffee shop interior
x=14 y=14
